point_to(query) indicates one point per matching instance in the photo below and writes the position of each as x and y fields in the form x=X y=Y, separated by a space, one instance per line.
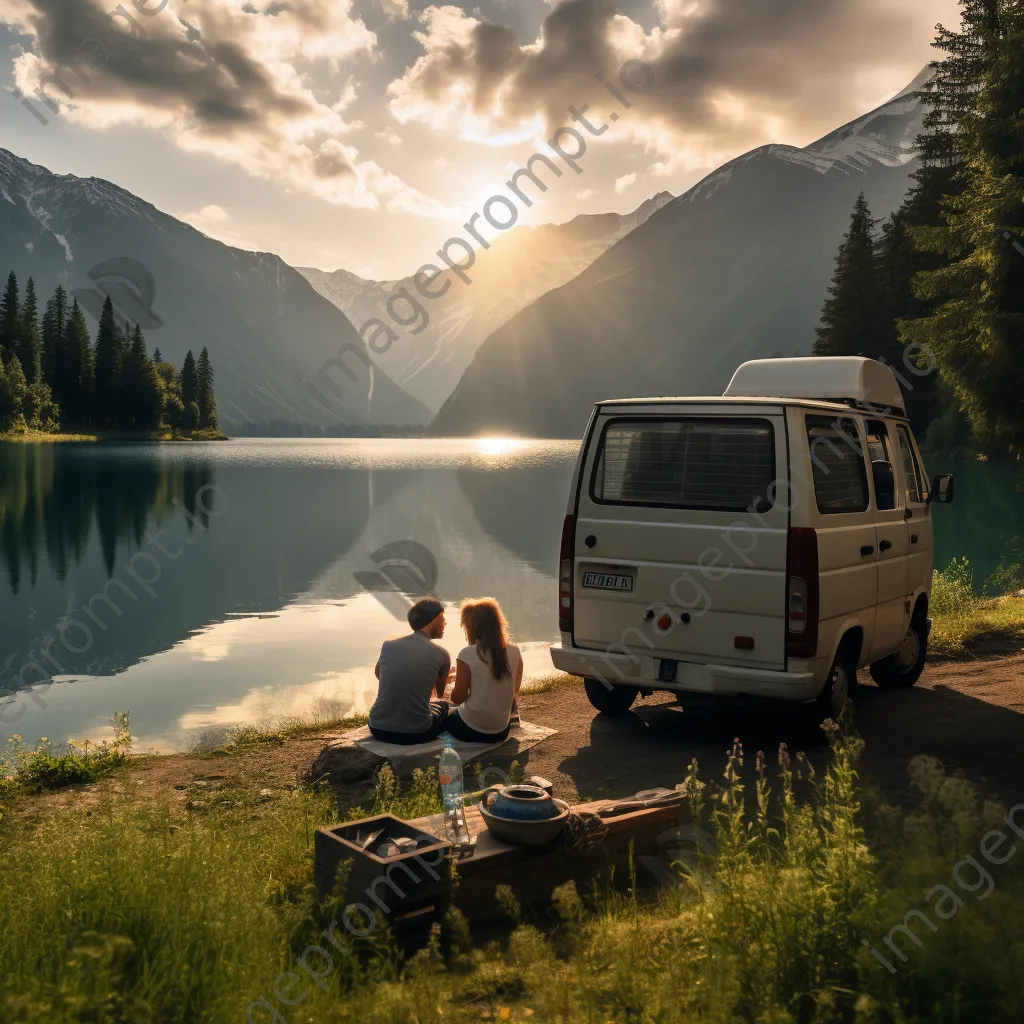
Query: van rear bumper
x=800 y=683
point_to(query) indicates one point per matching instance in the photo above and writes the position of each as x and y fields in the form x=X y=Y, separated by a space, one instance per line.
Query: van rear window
x=726 y=465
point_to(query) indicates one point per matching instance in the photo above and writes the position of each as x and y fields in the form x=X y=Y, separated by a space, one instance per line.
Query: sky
x=360 y=134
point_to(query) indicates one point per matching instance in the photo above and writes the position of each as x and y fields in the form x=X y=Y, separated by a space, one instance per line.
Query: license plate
x=607 y=581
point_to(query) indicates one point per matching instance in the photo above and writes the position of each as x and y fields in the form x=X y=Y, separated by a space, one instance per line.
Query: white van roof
x=822 y=378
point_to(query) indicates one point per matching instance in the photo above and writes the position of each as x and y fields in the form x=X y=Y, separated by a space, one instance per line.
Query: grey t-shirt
x=409 y=667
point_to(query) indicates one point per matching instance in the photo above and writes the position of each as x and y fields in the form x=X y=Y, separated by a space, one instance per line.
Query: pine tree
x=141 y=387
x=17 y=383
x=28 y=347
x=976 y=323
x=76 y=369
x=157 y=357
x=107 y=391
x=189 y=380
x=9 y=318
x=9 y=410
x=853 y=316
x=55 y=320
x=205 y=398
x=899 y=262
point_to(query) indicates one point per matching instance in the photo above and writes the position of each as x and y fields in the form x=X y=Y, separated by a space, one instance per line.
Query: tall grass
x=134 y=914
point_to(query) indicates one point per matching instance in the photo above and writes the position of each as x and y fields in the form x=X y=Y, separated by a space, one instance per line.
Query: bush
x=45 y=767
x=962 y=622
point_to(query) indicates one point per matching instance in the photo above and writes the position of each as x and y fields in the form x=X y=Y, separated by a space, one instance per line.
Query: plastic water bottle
x=449 y=774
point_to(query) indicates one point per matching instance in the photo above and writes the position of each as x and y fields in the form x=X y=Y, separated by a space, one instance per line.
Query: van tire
x=615 y=701
x=902 y=669
x=835 y=694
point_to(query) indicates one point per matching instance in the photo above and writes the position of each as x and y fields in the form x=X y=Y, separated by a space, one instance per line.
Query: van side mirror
x=885 y=486
x=943 y=489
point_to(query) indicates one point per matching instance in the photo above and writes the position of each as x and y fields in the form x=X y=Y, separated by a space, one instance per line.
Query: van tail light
x=566 y=555
x=802 y=594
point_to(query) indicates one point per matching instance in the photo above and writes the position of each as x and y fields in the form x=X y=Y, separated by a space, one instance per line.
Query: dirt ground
x=970 y=715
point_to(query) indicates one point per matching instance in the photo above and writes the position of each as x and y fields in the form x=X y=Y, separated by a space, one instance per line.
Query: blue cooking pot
x=520 y=803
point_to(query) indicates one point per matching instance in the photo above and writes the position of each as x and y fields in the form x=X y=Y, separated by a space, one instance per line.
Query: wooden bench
x=532 y=873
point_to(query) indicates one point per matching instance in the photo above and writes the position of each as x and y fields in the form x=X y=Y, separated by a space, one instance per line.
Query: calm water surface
x=204 y=585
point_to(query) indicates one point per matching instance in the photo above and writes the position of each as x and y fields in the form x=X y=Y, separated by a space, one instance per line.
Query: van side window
x=915 y=487
x=726 y=465
x=880 y=456
x=837 y=458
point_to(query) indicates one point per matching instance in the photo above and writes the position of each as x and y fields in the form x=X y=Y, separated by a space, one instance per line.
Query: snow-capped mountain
x=734 y=269
x=518 y=268
x=268 y=331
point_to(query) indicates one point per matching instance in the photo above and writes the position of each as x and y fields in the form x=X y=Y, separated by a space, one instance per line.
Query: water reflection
x=280 y=599
x=51 y=501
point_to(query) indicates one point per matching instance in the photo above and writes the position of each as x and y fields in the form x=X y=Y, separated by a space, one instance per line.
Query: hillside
x=261 y=320
x=737 y=268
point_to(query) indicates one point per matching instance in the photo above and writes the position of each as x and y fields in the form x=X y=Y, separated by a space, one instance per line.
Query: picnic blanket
x=521 y=737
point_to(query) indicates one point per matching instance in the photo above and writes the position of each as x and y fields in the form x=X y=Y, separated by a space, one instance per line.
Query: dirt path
x=969 y=715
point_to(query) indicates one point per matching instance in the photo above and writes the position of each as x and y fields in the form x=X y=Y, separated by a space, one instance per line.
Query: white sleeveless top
x=489 y=705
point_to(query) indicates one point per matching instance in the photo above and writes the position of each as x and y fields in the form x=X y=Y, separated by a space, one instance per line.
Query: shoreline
x=103 y=436
x=279 y=756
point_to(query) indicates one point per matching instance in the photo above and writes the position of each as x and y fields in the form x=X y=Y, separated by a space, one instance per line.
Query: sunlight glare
x=497 y=445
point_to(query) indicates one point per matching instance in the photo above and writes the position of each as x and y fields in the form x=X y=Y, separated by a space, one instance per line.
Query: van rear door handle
x=885 y=545
x=868 y=549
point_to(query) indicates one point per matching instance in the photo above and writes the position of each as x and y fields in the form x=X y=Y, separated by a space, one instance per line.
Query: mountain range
x=267 y=330
x=669 y=298
x=736 y=268
x=519 y=267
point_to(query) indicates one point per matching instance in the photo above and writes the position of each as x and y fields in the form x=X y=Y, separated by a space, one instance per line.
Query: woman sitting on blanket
x=488 y=675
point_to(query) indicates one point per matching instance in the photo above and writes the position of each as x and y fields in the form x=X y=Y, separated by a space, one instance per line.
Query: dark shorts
x=438 y=712
x=460 y=731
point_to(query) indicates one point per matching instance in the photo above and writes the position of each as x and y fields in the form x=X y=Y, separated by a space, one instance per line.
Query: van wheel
x=903 y=668
x=835 y=695
x=616 y=700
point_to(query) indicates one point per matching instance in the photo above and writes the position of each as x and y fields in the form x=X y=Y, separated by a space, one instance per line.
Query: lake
x=204 y=585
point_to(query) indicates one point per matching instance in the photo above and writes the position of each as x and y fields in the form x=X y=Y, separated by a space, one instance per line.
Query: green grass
x=965 y=623
x=322 y=716
x=131 y=913
x=549 y=682
x=43 y=767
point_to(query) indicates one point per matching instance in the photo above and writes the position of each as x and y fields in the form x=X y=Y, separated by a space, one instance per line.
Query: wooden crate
x=410 y=889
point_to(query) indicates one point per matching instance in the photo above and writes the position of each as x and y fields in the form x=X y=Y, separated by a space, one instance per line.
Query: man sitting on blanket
x=411 y=669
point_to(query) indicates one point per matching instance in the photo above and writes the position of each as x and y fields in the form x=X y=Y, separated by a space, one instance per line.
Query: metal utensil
x=364 y=843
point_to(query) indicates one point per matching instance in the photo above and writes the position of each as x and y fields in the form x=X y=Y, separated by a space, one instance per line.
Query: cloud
x=243 y=82
x=395 y=10
x=389 y=135
x=727 y=76
x=621 y=184
x=213 y=213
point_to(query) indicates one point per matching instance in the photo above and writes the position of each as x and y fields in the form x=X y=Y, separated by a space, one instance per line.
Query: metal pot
x=520 y=803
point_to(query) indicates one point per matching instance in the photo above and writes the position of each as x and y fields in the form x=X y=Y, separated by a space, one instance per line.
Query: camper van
x=762 y=545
